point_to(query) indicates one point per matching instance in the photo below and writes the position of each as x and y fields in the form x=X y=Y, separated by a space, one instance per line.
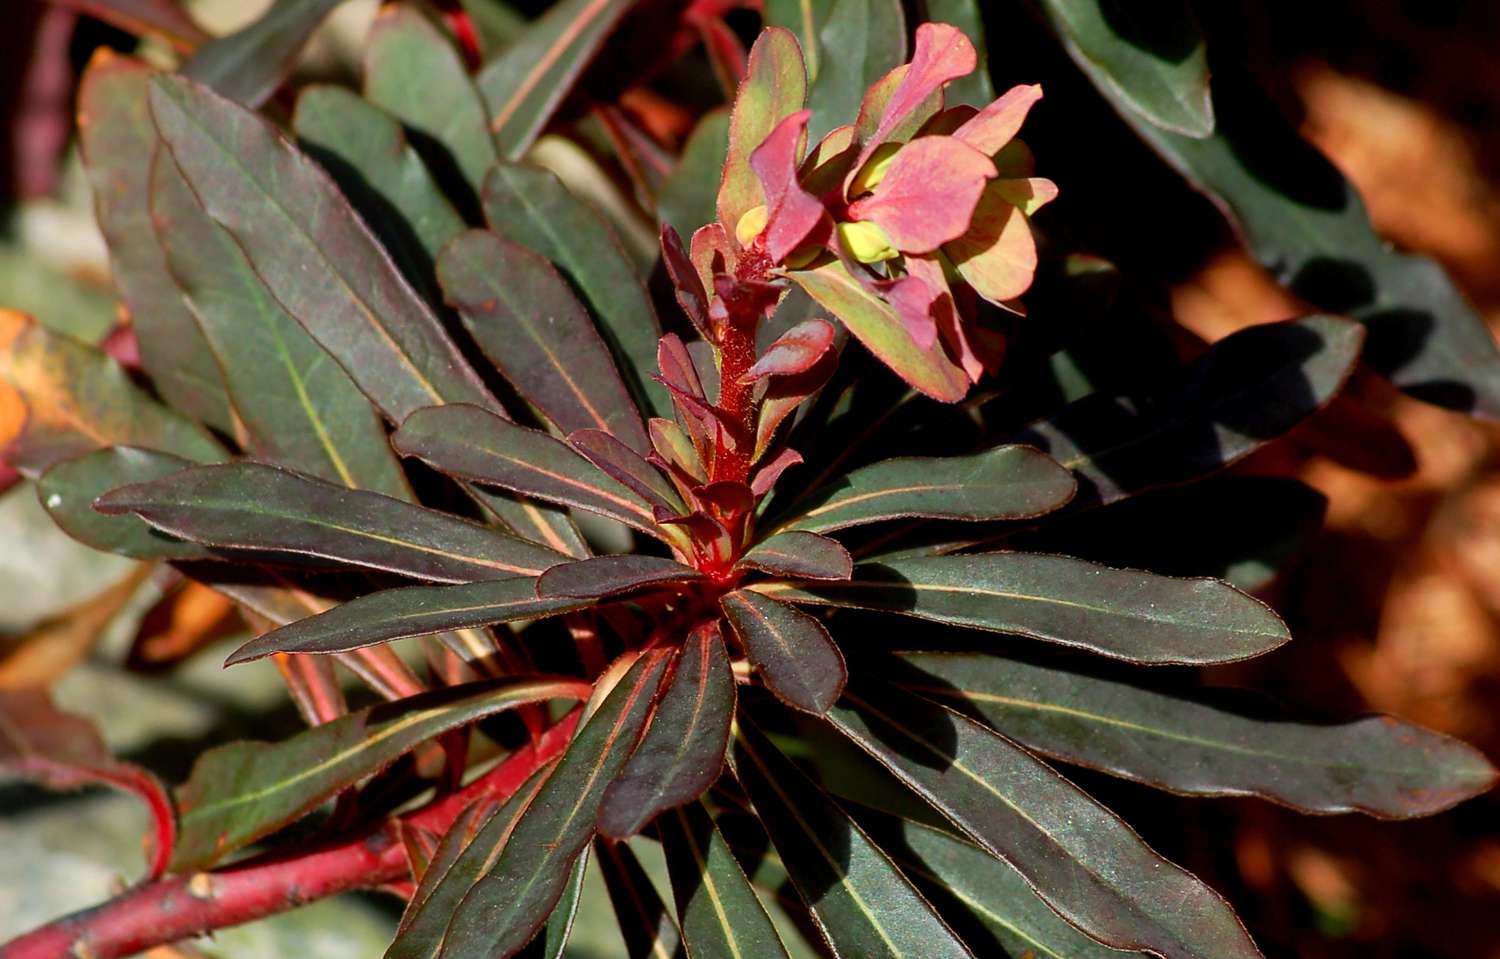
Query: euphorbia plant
x=702 y=570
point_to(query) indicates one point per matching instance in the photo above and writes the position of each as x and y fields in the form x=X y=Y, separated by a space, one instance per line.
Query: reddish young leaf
x=793 y=652
x=770 y=471
x=785 y=394
x=683 y=749
x=915 y=301
x=791 y=212
x=996 y=125
x=928 y=194
x=688 y=285
x=942 y=53
x=997 y=257
x=63 y=751
x=795 y=351
x=627 y=466
x=611 y=575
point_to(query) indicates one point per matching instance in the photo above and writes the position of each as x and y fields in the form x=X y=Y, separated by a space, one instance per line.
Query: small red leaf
x=692 y=296
x=794 y=351
x=913 y=300
x=928 y=194
x=791 y=211
x=997 y=124
x=771 y=470
x=942 y=53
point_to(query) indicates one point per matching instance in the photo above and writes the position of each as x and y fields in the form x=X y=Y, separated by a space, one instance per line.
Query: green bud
x=866 y=242
x=751 y=225
x=870 y=175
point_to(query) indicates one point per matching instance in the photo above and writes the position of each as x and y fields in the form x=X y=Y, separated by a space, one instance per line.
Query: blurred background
x=1395 y=602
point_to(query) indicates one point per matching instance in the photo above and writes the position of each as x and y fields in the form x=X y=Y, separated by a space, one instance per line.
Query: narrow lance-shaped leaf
x=118 y=140
x=630 y=468
x=682 y=751
x=314 y=254
x=1007 y=482
x=367 y=153
x=408 y=611
x=860 y=42
x=249 y=64
x=415 y=73
x=242 y=791
x=799 y=555
x=604 y=576
x=1423 y=335
x=256 y=507
x=1249 y=389
x=553 y=938
x=527 y=321
x=525 y=84
x=474 y=444
x=1214 y=742
x=984 y=898
x=1081 y=858
x=512 y=899
x=67 y=491
x=646 y=924
x=793 y=652
x=64 y=751
x=716 y=905
x=78 y=399
x=1127 y=614
x=861 y=902
x=1150 y=59
x=299 y=407
x=774 y=87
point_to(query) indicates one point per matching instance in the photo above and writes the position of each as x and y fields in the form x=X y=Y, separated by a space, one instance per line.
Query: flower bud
x=870 y=175
x=752 y=224
x=802 y=256
x=866 y=242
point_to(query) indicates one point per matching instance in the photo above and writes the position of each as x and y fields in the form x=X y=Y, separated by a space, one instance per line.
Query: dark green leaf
x=312 y=251
x=298 y=407
x=719 y=911
x=610 y=575
x=530 y=206
x=69 y=488
x=1082 y=859
x=861 y=901
x=475 y=444
x=1249 y=389
x=409 y=611
x=800 y=555
x=257 y=507
x=367 y=152
x=78 y=399
x=554 y=935
x=512 y=899
x=976 y=90
x=682 y=751
x=414 y=73
x=118 y=140
x=420 y=934
x=1213 y=742
x=243 y=791
x=526 y=319
x=1130 y=615
x=1148 y=58
x=249 y=64
x=1007 y=482
x=860 y=42
x=686 y=200
x=528 y=80
x=989 y=904
x=645 y=923
x=793 y=652
x=1308 y=225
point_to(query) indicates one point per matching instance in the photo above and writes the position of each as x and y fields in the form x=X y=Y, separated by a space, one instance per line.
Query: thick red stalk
x=180 y=907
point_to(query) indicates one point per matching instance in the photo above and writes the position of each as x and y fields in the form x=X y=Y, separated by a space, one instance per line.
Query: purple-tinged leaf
x=249 y=64
x=682 y=751
x=1214 y=742
x=415 y=73
x=784 y=394
x=64 y=751
x=629 y=467
x=928 y=194
x=768 y=472
x=476 y=445
x=676 y=365
x=1007 y=482
x=243 y=791
x=993 y=127
x=1126 y=614
x=795 y=351
x=513 y=898
x=792 y=213
x=604 y=576
x=676 y=449
x=527 y=82
x=800 y=555
x=118 y=140
x=528 y=322
x=774 y=87
x=251 y=506
x=449 y=847
x=68 y=489
x=862 y=904
x=408 y=611
x=792 y=651
x=1079 y=857
x=311 y=250
x=687 y=285
x=719 y=911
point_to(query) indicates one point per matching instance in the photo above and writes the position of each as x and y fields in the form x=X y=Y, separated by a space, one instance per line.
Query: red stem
x=180 y=907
